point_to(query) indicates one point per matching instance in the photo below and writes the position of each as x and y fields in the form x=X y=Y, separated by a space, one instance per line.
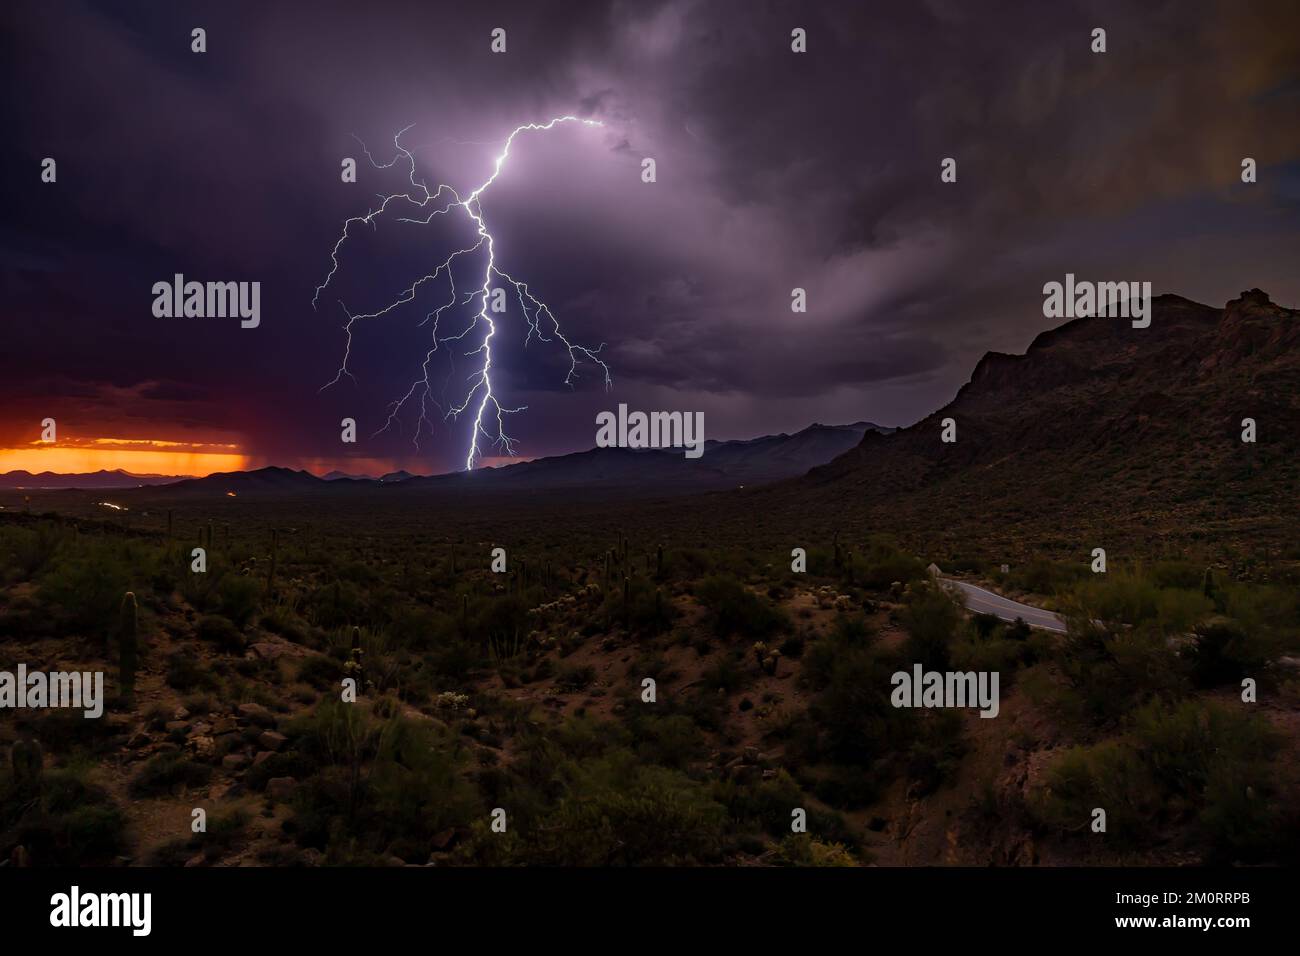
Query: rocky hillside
x=1100 y=431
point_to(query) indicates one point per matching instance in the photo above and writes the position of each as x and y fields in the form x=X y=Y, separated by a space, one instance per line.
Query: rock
x=267 y=651
x=281 y=788
x=256 y=713
x=195 y=860
x=177 y=727
x=139 y=739
x=261 y=758
x=181 y=714
x=203 y=746
x=272 y=740
x=234 y=762
x=223 y=725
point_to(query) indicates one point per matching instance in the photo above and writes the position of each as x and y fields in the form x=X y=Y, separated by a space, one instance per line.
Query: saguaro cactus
x=355 y=667
x=128 y=647
x=659 y=563
x=270 y=575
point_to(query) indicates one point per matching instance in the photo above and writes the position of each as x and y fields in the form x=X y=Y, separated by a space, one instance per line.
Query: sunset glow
x=77 y=459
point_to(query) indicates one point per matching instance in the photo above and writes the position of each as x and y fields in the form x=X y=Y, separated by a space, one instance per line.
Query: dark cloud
x=774 y=171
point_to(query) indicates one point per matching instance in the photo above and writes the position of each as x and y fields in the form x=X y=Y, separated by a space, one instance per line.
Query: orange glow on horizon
x=79 y=459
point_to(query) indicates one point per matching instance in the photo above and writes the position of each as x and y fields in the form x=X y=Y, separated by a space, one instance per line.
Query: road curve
x=982 y=601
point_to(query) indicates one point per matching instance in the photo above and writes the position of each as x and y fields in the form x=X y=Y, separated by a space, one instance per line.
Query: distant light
x=230 y=494
x=109 y=504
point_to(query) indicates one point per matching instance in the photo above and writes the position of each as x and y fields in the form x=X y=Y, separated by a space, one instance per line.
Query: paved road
x=981 y=601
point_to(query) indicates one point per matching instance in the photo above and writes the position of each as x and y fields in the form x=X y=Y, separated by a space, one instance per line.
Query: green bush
x=931 y=620
x=239 y=598
x=164 y=772
x=734 y=609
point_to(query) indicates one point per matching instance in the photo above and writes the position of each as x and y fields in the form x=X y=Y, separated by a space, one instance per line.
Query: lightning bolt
x=480 y=399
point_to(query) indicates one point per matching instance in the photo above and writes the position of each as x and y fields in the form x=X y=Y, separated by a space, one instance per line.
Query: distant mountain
x=1100 y=432
x=272 y=480
x=724 y=464
x=97 y=479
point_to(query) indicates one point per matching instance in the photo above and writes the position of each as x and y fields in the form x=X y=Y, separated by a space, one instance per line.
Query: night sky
x=775 y=170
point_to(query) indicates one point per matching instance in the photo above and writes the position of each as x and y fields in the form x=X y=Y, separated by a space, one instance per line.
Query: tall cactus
x=355 y=667
x=270 y=575
x=128 y=644
x=1207 y=584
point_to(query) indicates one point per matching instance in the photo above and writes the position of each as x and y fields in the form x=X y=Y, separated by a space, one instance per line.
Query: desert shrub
x=931 y=620
x=1192 y=763
x=27 y=552
x=320 y=671
x=223 y=832
x=164 y=772
x=415 y=789
x=852 y=719
x=1268 y=610
x=86 y=586
x=70 y=822
x=884 y=562
x=673 y=741
x=1224 y=652
x=218 y=630
x=573 y=678
x=801 y=849
x=936 y=752
x=616 y=811
x=725 y=672
x=850 y=633
x=982 y=646
x=734 y=609
x=765 y=807
x=1106 y=675
x=1109 y=775
x=1041 y=576
x=238 y=596
x=648 y=610
x=186 y=673
x=1177 y=574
